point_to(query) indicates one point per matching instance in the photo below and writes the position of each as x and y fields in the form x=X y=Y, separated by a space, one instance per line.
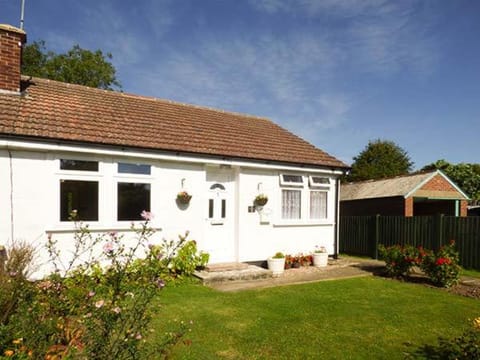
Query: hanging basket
x=260 y=200
x=184 y=197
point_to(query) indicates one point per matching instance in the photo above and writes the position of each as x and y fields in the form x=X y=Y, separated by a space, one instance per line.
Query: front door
x=219 y=222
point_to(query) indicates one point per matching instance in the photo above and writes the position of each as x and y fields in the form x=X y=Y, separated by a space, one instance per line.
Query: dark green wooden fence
x=361 y=235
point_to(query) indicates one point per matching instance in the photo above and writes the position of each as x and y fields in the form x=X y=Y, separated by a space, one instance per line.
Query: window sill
x=69 y=228
x=286 y=223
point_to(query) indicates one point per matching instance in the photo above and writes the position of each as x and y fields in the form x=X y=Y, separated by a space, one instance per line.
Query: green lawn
x=362 y=318
x=470 y=272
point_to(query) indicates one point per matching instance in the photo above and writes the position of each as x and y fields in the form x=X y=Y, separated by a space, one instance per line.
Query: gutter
x=173 y=156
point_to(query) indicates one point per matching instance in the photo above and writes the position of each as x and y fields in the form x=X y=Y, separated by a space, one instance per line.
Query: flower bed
x=441 y=267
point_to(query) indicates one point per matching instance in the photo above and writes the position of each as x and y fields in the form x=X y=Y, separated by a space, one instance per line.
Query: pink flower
x=116 y=310
x=108 y=248
x=147 y=215
x=138 y=336
x=99 y=304
x=91 y=294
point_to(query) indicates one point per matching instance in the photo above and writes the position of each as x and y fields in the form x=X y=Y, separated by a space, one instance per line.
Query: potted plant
x=260 y=200
x=288 y=261
x=276 y=263
x=184 y=197
x=296 y=261
x=320 y=256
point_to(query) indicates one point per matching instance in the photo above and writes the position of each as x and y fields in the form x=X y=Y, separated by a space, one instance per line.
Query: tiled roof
x=53 y=110
x=397 y=186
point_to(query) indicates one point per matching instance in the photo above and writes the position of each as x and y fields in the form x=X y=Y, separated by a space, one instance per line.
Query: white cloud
x=244 y=70
x=377 y=36
x=343 y=8
x=159 y=17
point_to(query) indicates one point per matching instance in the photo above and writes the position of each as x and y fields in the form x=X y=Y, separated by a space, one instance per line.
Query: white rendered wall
x=36 y=198
x=258 y=240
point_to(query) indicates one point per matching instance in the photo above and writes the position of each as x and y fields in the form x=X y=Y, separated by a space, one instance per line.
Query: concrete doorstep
x=254 y=277
x=220 y=273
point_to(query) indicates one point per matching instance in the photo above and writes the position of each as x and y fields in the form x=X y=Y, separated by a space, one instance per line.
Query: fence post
x=377 y=235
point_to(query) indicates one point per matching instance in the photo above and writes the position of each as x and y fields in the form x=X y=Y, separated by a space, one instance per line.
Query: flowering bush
x=298 y=260
x=442 y=267
x=14 y=290
x=93 y=306
x=399 y=260
x=289 y=259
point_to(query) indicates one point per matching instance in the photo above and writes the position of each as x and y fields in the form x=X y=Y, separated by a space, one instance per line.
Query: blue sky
x=336 y=72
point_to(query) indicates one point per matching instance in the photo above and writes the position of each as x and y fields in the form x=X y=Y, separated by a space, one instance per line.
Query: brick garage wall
x=408 y=209
x=392 y=206
x=445 y=190
x=438 y=183
x=463 y=207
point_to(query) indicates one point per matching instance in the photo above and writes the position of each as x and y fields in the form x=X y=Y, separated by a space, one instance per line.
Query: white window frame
x=291 y=186
x=314 y=185
x=306 y=187
x=77 y=175
x=291 y=183
x=322 y=191
x=123 y=177
x=299 y=206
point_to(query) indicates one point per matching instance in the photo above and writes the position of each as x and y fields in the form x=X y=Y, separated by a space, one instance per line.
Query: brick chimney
x=11 y=41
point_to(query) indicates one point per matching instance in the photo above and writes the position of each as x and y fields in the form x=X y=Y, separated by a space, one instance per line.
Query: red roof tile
x=60 y=111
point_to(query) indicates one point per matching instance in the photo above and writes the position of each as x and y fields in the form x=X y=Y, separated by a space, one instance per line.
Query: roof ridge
x=151 y=98
x=420 y=172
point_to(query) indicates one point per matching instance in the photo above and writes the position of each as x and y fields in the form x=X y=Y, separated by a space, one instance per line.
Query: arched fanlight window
x=217 y=186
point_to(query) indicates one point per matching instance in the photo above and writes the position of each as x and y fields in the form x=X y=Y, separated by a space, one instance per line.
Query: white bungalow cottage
x=110 y=155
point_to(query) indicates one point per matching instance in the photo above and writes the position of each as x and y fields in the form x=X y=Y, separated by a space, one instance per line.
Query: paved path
x=337 y=269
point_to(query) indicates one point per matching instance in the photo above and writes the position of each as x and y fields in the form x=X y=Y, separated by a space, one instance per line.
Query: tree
x=465 y=175
x=77 y=66
x=380 y=159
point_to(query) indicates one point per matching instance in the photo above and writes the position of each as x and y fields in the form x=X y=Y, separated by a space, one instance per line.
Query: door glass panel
x=210 y=208
x=224 y=208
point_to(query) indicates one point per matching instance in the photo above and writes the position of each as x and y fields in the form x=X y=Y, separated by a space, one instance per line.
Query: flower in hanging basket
x=260 y=200
x=183 y=197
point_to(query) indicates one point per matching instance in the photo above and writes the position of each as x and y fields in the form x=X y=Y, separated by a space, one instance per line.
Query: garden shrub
x=464 y=347
x=181 y=257
x=94 y=307
x=15 y=289
x=399 y=260
x=442 y=266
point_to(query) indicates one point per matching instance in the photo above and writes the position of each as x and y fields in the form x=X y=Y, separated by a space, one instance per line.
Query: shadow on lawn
x=447 y=349
x=376 y=269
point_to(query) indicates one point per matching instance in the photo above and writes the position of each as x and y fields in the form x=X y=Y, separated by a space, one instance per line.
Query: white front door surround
x=220 y=215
